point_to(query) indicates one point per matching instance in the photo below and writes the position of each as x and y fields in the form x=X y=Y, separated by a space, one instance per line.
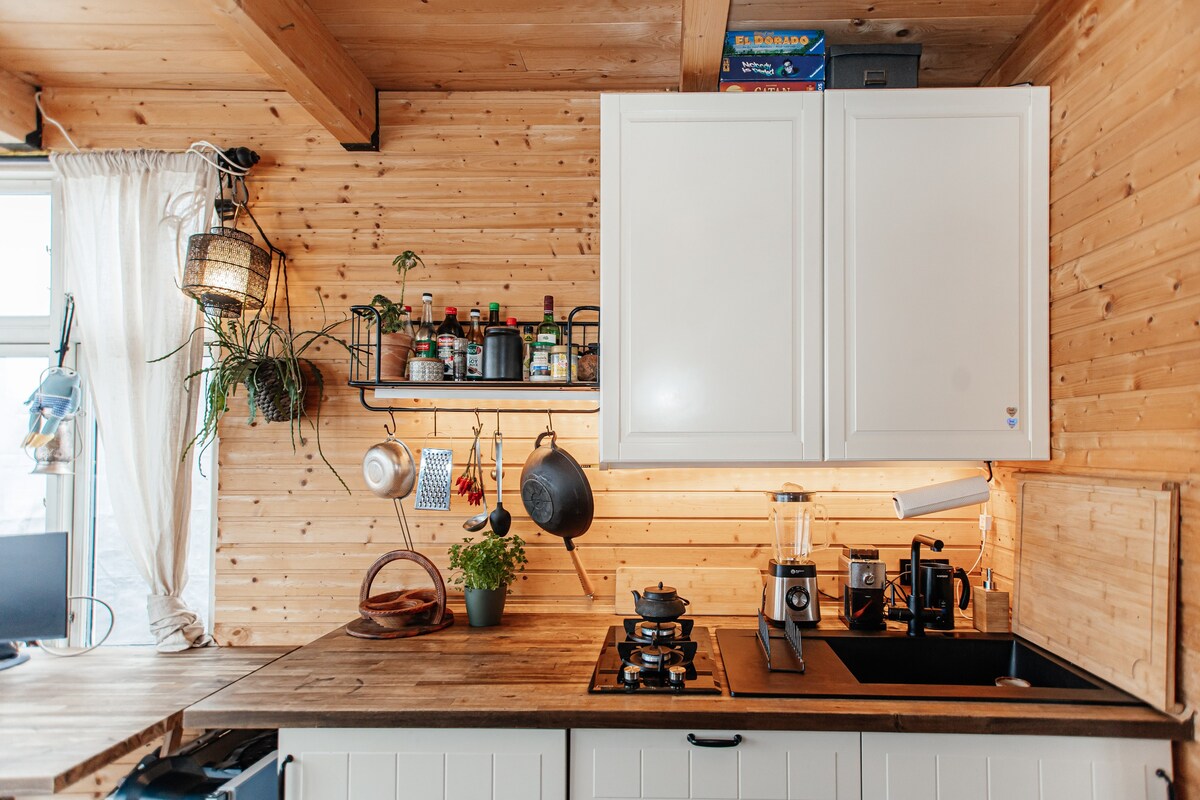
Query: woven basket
x=271 y=397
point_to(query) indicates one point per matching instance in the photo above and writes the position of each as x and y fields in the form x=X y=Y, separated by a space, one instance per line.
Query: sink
x=952 y=662
x=958 y=665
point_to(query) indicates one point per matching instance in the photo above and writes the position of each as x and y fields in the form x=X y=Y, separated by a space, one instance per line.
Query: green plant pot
x=484 y=606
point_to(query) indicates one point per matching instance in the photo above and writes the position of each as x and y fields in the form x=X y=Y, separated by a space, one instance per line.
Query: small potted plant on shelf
x=486 y=568
x=395 y=330
x=268 y=360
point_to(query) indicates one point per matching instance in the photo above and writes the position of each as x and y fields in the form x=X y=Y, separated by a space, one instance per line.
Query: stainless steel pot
x=389 y=469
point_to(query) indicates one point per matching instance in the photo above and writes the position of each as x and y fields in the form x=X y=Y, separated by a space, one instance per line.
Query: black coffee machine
x=937 y=591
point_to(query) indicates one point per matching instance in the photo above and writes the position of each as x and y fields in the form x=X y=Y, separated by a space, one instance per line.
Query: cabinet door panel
x=373 y=776
x=766 y=765
x=936 y=282
x=426 y=764
x=898 y=766
x=710 y=278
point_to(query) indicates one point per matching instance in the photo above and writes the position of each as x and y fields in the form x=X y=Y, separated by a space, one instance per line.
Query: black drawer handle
x=734 y=742
x=283 y=765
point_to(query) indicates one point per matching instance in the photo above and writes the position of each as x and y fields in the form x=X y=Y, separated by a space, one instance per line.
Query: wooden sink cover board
x=1096 y=579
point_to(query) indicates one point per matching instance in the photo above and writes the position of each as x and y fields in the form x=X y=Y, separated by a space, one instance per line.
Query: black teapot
x=659 y=603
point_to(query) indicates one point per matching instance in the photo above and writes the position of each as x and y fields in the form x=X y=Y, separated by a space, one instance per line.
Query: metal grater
x=433 y=480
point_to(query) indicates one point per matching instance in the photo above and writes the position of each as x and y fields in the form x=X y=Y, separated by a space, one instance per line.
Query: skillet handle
x=584 y=580
x=553 y=439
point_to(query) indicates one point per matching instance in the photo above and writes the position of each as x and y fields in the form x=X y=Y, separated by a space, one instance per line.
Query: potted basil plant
x=395 y=326
x=486 y=569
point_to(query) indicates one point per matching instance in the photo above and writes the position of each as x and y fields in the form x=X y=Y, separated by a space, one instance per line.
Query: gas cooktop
x=639 y=656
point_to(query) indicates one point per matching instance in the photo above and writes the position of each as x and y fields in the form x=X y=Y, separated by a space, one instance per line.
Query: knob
x=797 y=598
x=675 y=676
x=631 y=675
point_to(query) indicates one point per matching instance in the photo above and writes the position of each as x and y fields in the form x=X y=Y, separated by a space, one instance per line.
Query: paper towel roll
x=940 y=497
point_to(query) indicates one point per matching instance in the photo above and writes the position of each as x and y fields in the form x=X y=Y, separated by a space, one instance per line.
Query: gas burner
x=632 y=663
x=643 y=631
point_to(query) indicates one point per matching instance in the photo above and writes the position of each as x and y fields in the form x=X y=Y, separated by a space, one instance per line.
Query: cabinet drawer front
x=765 y=765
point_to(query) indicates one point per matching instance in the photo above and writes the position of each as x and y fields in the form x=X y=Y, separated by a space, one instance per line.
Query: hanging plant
x=268 y=360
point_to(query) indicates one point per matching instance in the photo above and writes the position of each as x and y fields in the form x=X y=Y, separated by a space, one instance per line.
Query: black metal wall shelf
x=467 y=395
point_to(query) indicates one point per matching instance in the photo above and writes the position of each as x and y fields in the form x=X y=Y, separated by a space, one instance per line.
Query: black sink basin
x=952 y=662
x=957 y=665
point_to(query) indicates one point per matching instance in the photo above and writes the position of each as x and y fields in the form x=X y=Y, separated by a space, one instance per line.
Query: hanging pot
x=269 y=387
x=558 y=497
x=389 y=470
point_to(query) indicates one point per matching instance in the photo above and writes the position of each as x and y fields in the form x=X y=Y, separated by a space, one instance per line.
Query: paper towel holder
x=941 y=497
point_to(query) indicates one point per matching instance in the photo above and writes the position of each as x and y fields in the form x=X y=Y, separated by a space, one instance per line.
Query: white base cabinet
x=424 y=764
x=906 y=766
x=765 y=765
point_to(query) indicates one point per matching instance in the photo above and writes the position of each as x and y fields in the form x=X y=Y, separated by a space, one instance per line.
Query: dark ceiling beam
x=703 y=39
x=291 y=44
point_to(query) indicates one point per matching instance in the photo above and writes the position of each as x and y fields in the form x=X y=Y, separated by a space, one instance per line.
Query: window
x=30 y=321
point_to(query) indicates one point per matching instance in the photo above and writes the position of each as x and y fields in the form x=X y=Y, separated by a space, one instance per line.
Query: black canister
x=503 y=352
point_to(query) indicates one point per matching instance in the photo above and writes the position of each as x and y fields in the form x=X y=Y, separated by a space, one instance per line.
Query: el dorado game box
x=783 y=43
x=773 y=68
x=772 y=86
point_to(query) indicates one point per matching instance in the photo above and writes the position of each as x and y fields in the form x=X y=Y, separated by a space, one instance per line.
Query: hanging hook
x=435 y=422
x=478 y=421
x=549 y=422
x=390 y=430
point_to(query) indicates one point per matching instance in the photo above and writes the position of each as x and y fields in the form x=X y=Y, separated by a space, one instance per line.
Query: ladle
x=480 y=520
x=501 y=519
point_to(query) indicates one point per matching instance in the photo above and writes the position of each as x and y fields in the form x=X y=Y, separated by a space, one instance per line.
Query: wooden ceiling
x=412 y=45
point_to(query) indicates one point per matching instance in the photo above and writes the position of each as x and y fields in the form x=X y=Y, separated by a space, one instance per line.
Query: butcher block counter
x=533 y=672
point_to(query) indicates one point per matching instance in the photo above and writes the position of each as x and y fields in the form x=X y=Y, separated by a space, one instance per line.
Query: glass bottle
x=448 y=333
x=406 y=325
x=548 y=332
x=527 y=337
x=475 y=348
x=511 y=322
x=493 y=319
x=426 y=339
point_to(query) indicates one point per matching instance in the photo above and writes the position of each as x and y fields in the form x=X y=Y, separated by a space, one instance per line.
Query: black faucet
x=917 y=612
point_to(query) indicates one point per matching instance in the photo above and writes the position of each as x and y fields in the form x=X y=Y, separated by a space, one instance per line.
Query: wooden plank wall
x=1124 y=81
x=499 y=193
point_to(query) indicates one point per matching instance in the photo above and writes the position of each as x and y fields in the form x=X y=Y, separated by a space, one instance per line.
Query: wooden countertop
x=63 y=718
x=533 y=672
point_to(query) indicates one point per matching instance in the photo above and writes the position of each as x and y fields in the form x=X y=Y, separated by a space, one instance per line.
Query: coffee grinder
x=861 y=578
x=791 y=588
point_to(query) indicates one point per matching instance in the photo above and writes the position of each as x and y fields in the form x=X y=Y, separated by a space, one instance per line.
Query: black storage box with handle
x=873 y=66
x=224 y=765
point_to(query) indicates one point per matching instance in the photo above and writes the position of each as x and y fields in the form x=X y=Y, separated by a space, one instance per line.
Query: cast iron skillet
x=558 y=497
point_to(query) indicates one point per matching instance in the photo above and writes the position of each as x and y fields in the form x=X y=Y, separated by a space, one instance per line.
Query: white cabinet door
x=905 y=766
x=765 y=765
x=710 y=278
x=424 y=764
x=937 y=332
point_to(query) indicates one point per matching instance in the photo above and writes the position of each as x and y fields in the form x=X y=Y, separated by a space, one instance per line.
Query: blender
x=791 y=588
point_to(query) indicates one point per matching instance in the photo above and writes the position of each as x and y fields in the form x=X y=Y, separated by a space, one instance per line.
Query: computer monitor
x=33 y=591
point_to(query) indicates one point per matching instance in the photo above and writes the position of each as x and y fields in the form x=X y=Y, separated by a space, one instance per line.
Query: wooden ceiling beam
x=288 y=41
x=703 y=39
x=18 y=111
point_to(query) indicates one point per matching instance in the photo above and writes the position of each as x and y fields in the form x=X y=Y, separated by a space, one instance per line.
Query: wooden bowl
x=400 y=609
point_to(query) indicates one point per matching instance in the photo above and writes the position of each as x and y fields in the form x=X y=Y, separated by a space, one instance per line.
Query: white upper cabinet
x=710 y=278
x=936 y=275
x=840 y=276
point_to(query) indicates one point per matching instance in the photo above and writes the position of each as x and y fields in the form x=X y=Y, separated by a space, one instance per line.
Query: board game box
x=791 y=42
x=773 y=68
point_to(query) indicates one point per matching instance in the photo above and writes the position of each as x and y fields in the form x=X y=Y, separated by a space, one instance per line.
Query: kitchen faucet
x=916 y=614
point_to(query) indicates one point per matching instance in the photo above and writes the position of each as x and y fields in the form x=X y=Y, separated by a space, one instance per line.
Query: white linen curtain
x=127 y=216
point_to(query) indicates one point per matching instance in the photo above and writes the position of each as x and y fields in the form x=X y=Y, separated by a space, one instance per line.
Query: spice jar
x=560 y=363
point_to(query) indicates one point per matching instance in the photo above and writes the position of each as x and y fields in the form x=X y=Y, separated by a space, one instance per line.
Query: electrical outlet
x=902 y=578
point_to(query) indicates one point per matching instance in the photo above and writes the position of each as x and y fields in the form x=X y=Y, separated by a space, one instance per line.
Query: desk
x=63 y=718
